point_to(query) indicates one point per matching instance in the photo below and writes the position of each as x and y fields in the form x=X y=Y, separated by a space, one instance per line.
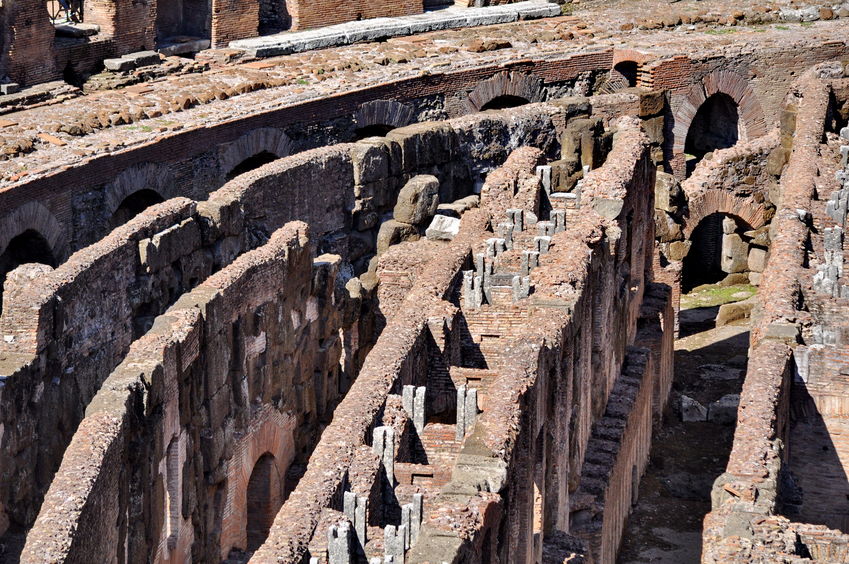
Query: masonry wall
x=257 y=345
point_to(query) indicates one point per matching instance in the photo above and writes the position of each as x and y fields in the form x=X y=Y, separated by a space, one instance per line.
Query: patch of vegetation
x=722 y=31
x=566 y=9
x=709 y=295
x=806 y=24
x=782 y=27
x=302 y=81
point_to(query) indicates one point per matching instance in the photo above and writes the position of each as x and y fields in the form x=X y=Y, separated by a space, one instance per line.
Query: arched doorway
x=626 y=71
x=716 y=125
x=264 y=498
x=717 y=250
x=29 y=246
x=251 y=163
x=505 y=101
x=373 y=130
x=133 y=205
x=274 y=17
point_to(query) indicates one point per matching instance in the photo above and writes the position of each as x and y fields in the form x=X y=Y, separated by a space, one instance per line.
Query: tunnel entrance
x=626 y=71
x=505 y=101
x=717 y=249
x=273 y=17
x=715 y=126
x=264 y=498
x=374 y=130
x=133 y=205
x=251 y=163
x=29 y=246
x=182 y=21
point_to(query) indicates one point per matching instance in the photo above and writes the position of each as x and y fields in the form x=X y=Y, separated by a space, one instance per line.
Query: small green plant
x=723 y=31
x=303 y=81
x=806 y=24
x=567 y=9
x=782 y=27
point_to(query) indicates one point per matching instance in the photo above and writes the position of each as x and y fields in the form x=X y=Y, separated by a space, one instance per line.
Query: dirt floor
x=686 y=457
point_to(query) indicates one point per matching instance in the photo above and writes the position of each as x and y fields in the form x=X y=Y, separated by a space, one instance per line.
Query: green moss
x=710 y=295
x=722 y=31
x=782 y=27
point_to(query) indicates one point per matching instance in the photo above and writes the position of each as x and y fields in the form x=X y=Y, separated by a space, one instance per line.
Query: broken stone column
x=542 y=244
x=413 y=399
x=355 y=510
x=467 y=410
x=416 y=517
x=521 y=287
x=544 y=175
x=495 y=246
x=393 y=542
x=472 y=290
x=530 y=260
x=516 y=217
x=339 y=543
x=383 y=445
x=504 y=230
x=833 y=241
x=558 y=217
x=545 y=228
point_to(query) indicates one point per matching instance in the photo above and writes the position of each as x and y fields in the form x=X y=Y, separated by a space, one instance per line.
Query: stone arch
x=269 y=433
x=264 y=139
x=379 y=115
x=148 y=176
x=264 y=498
x=716 y=200
x=685 y=107
x=34 y=216
x=505 y=84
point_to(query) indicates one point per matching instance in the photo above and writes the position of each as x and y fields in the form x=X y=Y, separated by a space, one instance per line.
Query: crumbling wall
x=28 y=34
x=202 y=381
x=741 y=525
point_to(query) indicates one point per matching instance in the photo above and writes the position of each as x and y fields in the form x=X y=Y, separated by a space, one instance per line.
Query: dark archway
x=703 y=263
x=505 y=101
x=133 y=205
x=715 y=126
x=182 y=20
x=274 y=17
x=251 y=163
x=626 y=70
x=374 y=130
x=264 y=498
x=29 y=246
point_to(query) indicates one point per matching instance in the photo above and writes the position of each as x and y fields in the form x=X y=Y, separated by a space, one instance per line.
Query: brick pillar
x=130 y=23
x=27 y=43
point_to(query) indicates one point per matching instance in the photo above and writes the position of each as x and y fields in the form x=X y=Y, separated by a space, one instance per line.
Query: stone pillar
x=355 y=510
x=521 y=287
x=530 y=260
x=545 y=228
x=495 y=246
x=393 y=542
x=383 y=445
x=339 y=543
x=516 y=217
x=558 y=217
x=467 y=410
x=472 y=290
x=544 y=174
x=505 y=231
x=542 y=244
x=413 y=399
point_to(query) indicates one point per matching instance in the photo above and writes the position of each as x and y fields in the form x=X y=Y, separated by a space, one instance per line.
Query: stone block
x=757 y=259
x=443 y=228
x=724 y=410
x=734 y=311
x=735 y=254
x=755 y=278
x=654 y=128
x=651 y=103
x=417 y=200
x=144 y=58
x=10 y=88
x=677 y=250
x=667 y=192
x=393 y=232
x=119 y=65
x=692 y=411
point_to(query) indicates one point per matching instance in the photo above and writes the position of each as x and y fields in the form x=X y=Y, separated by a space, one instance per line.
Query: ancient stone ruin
x=424 y=282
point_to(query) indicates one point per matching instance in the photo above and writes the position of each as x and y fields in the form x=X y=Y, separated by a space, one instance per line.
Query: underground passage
x=424 y=281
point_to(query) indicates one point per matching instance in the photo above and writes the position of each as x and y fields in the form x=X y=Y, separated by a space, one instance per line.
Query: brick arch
x=264 y=139
x=684 y=107
x=384 y=112
x=717 y=200
x=505 y=83
x=269 y=432
x=148 y=176
x=36 y=217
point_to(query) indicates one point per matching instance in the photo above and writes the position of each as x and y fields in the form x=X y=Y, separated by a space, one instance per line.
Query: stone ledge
x=384 y=28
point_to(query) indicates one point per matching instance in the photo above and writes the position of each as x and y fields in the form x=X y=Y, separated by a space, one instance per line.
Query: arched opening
x=273 y=17
x=251 y=163
x=505 y=101
x=182 y=21
x=25 y=248
x=715 y=126
x=264 y=498
x=626 y=71
x=716 y=250
x=133 y=205
x=373 y=130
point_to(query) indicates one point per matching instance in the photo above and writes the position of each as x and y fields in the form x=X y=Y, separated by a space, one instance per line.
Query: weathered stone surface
x=692 y=410
x=757 y=259
x=734 y=311
x=735 y=254
x=443 y=228
x=418 y=200
x=393 y=232
x=724 y=410
x=667 y=192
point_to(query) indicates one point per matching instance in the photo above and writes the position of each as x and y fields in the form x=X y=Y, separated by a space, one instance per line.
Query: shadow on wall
x=715 y=126
x=816 y=488
x=717 y=250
